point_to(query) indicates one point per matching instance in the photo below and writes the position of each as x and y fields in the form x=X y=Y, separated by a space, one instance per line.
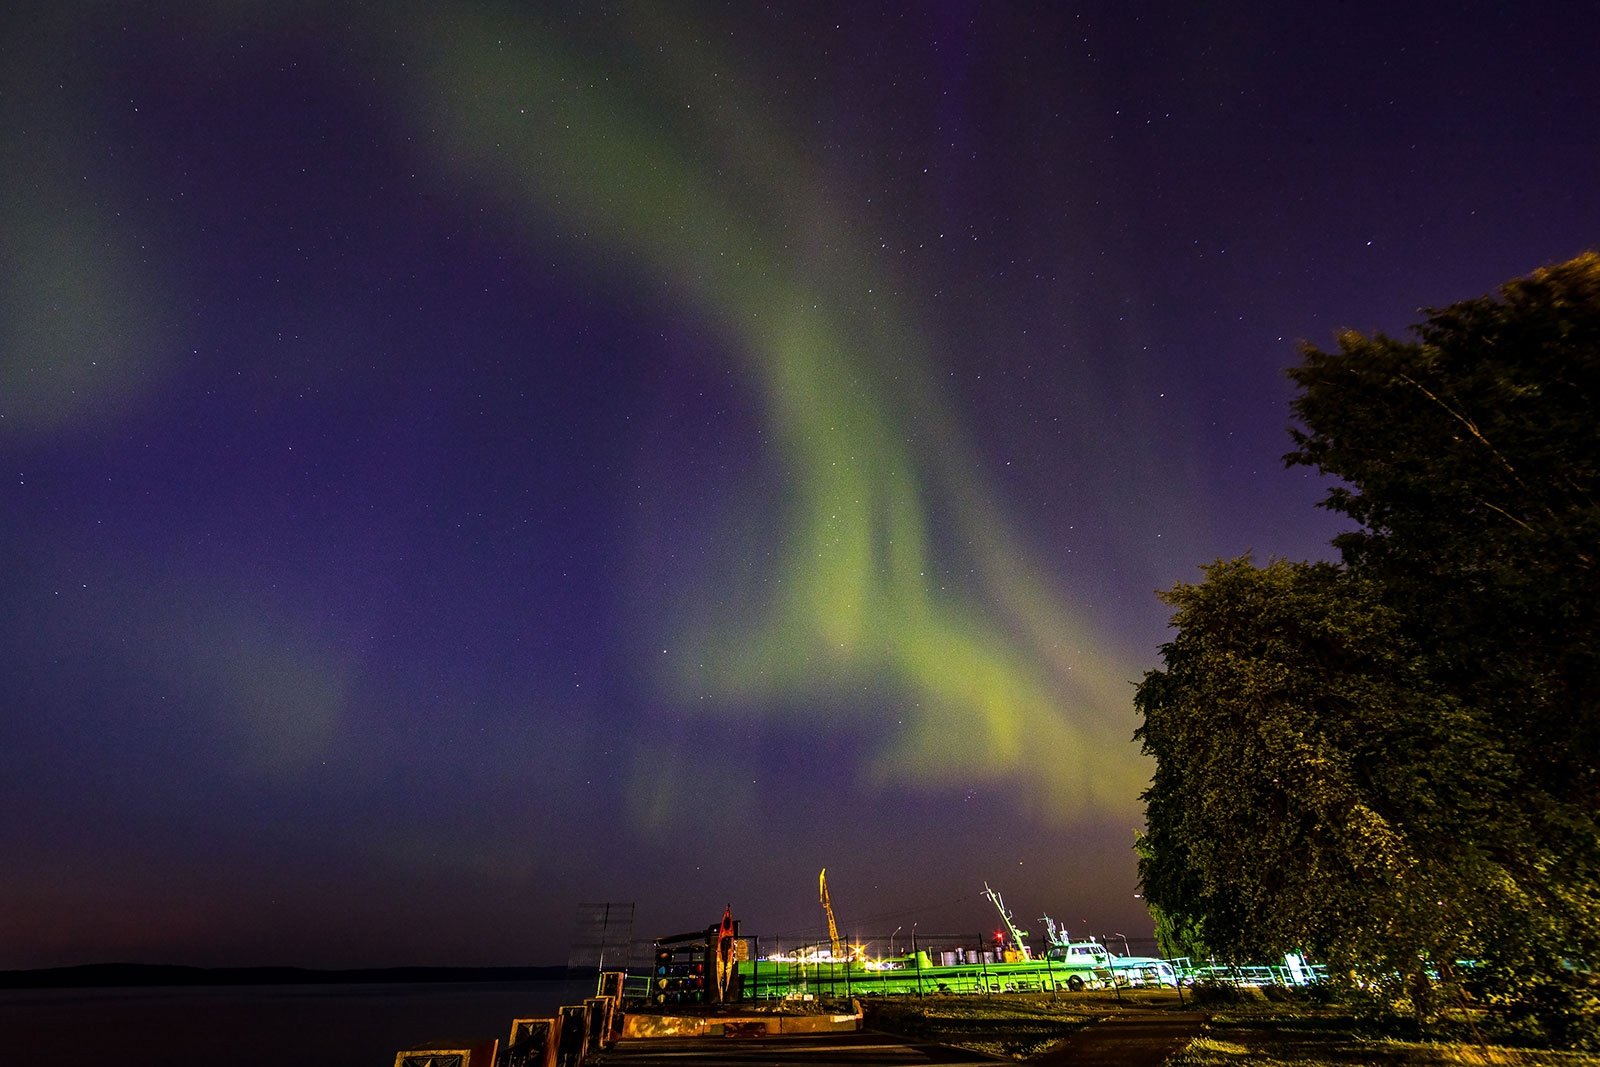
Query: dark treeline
x=97 y=975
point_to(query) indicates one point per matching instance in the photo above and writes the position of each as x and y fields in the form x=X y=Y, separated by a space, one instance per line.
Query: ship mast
x=1018 y=938
x=1056 y=935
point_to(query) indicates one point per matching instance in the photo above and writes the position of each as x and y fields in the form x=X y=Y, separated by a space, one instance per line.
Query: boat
x=915 y=973
x=1125 y=970
x=1010 y=967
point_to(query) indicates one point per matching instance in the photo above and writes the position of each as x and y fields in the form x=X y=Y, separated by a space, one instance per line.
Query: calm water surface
x=258 y=1026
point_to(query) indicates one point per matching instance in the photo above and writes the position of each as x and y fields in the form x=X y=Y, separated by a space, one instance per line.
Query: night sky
x=461 y=461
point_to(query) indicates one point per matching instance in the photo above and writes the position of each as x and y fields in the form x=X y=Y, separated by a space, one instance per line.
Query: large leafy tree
x=1312 y=789
x=1395 y=762
x=1471 y=459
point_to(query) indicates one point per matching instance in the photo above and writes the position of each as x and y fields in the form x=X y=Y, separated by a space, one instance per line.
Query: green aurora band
x=996 y=685
x=986 y=676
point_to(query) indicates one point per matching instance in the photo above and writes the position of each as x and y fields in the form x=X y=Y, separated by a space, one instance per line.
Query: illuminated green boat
x=915 y=974
x=1008 y=968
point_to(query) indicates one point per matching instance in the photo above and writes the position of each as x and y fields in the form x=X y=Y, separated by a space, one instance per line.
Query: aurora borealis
x=853 y=602
x=464 y=460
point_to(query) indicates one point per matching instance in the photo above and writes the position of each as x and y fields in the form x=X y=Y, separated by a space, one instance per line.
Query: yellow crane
x=827 y=906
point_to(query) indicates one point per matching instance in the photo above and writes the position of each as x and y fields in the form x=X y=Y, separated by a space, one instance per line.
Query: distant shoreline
x=144 y=975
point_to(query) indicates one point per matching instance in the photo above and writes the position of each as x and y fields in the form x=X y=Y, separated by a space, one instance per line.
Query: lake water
x=263 y=1026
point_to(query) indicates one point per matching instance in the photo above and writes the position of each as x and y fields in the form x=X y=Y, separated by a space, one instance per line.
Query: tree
x=1176 y=937
x=1471 y=459
x=1312 y=791
x=1395 y=762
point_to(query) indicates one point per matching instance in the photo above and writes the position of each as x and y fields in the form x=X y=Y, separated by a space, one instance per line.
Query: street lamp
x=897 y=929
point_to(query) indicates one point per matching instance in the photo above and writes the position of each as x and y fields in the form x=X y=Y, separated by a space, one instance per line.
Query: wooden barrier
x=599 y=1011
x=449 y=1054
x=614 y=1019
x=572 y=1036
x=611 y=984
x=580 y=1030
x=652 y=1025
x=532 y=1043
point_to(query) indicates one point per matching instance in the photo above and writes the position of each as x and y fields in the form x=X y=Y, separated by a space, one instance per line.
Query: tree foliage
x=1471 y=459
x=1176 y=936
x=1312 y=789
x=1394 y=762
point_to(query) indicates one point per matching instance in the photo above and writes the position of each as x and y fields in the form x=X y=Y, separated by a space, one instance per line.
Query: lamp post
x=897 y=929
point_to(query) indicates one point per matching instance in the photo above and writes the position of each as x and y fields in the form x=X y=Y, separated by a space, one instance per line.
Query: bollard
x=616 y=1016
x=532 y=1043
x=610 y=984
x=599 y=1021
x=572 y=1036
x=449 y=1054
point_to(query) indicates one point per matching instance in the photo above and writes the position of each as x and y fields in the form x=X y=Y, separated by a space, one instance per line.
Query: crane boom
x=827 y=906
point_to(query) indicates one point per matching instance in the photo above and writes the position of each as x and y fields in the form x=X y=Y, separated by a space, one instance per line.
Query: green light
x=990 y=679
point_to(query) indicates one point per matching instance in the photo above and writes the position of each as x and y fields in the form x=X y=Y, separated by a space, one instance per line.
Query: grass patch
x=1014 y=1025
x=1300 y=1033
x=1329 y=1038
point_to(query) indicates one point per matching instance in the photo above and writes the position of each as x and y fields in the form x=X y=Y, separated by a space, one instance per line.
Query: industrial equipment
x=827 y=906
x=1019 y=948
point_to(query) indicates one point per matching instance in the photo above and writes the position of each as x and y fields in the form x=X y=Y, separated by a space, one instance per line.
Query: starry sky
x=465 y=460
